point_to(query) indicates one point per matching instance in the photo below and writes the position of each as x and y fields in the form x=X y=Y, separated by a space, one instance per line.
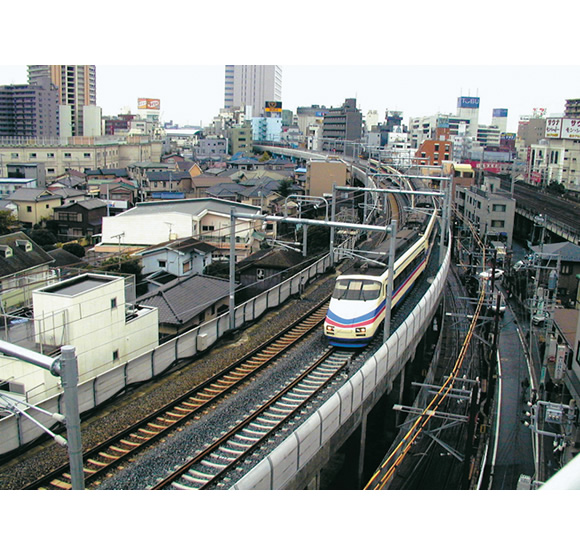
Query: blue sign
x=468 y=102
x=500 y=113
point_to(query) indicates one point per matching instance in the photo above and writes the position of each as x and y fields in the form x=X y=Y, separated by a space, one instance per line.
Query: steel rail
x=100 y=459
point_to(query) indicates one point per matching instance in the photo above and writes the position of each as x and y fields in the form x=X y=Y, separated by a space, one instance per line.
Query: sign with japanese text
x=553 y=128
x=570 y=128
x=562 y=128
x=560 y=362
x=148 y=104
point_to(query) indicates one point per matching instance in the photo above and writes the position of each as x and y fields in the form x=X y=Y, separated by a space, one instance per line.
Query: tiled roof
x=183 y=245
x=183 y=299
x=20 y=259
x=32 y=195
x=167 y=176
x=91 y=204
x=272 y=258
x=569 y=252
x=63 y=258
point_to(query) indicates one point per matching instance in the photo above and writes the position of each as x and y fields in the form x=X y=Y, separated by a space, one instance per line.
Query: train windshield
x=356 y=290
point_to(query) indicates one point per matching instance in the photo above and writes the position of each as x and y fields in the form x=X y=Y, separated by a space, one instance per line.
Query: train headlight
x=360 y=330
x=329 y=329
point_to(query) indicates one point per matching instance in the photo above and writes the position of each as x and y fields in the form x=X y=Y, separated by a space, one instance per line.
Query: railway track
x=211 y=466
x=99 y=461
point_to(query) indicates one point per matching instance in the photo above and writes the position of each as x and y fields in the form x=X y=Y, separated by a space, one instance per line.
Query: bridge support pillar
x=361 y=453
x=314 y=482
x=399 y=415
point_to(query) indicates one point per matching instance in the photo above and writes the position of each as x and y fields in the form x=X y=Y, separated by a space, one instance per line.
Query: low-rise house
x=119 y=194
x=9 y=185
x=34 y=205
x=155 y=222
x=179 y=258
x=569 y=275
x=202 y=183
x=187 y=302
x=90 y=313
x=138 y=171
x=258 y=192
x=24 y=266
x=72 y=179
x=80 y=219
x=266 y=269
x=107 y=173
x=166 y=181
x=67 y=194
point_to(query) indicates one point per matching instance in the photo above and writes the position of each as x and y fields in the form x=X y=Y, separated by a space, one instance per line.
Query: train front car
x=356 y=310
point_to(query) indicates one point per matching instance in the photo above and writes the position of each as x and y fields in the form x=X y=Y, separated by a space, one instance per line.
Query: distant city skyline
x=193 y=95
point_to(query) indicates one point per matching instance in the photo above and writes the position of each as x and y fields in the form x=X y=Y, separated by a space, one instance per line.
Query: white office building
x=252 y=87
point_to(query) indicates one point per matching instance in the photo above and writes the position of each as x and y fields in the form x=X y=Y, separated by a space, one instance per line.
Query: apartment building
x=341 y=125
x=76 y=86
x=29 y=110
x=81 y=153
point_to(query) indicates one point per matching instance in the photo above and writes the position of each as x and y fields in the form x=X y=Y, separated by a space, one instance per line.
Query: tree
x=74 y=248
x=42 y=237
x=285 y=187
x=8 y=223
x=218 y=269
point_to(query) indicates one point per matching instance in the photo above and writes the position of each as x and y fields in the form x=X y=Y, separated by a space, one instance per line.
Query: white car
x=498 y=274
x=540 y=317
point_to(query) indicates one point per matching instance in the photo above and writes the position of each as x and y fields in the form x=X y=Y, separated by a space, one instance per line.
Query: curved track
x=211 y=466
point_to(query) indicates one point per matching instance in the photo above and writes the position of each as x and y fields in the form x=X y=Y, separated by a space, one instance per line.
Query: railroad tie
x=119 y=450
x=60 y=484
x=109 y=456
x=97 y=463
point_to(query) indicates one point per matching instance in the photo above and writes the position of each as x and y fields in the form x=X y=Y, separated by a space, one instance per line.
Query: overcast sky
x=416 y=59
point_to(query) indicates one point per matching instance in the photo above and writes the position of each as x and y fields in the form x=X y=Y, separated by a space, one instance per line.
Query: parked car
x=540 y=317
x=498 y=274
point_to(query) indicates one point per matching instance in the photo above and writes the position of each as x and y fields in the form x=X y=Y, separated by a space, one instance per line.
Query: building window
x=29 y=208
x=32 y=155
x=497 y=223
x=162 y=263
x=116 y=355
x=67 y=154
x=13 y=155
x=114 y=302
x=566 y=269
x=498 y=208
x=87 y=154
x=50 y=154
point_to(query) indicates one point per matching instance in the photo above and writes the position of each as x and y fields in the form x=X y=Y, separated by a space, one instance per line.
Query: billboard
x=273 y=106
x=148 y=104
x=468 y=102
x=570 y=128
x=562 y=128
x=500 y=113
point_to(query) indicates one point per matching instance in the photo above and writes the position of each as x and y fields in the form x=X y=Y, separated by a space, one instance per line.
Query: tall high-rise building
x=76 y=88
x=28 y=111
x=252 y=87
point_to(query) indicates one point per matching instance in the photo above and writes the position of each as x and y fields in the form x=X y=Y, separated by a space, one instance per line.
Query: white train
x=357 y=306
